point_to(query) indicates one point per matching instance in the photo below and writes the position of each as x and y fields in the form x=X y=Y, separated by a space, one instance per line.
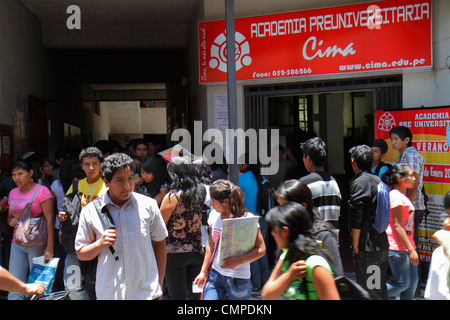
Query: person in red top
x=403 y=258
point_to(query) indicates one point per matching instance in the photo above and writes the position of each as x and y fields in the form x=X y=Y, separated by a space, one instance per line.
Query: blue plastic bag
x=43 y=272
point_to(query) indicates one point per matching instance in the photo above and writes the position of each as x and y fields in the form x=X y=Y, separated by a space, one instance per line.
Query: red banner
x=431 y=137
x=374 y=36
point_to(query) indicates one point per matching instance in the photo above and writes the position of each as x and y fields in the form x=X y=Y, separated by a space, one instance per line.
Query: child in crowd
x=302 y=272
x=379 y=168
x=233 y=277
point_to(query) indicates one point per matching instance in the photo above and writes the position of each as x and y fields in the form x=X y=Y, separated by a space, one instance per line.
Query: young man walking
x=89 y=188
x=138 y=238
x=370 y=248
x=324 y=188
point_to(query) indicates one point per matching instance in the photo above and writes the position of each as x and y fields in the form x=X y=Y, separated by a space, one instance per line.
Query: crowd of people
x=168 y=218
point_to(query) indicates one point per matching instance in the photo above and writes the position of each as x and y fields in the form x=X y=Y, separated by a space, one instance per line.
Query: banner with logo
x=366 y=37
x=431 y=137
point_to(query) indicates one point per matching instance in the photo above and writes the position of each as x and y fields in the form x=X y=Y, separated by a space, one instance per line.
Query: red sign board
x=367 y=37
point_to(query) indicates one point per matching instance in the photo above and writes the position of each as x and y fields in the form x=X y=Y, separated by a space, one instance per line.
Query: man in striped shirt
x=324 y=188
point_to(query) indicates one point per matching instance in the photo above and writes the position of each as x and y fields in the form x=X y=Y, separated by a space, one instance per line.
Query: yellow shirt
x=90 y=191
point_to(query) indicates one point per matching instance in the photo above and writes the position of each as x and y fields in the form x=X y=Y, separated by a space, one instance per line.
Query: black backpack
x=266 y=197
x=68 y=229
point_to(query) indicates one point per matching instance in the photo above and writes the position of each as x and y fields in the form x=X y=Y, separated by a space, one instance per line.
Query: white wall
x=431 y=88
x=127 y=118
x=153 y=120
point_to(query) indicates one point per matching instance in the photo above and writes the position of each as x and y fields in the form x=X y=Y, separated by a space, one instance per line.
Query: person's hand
x=62 y=216
x=200 y=278
x=414 y=257
x=297 y=270
x=48 y=253
x=13 y=222
x=108 y=238
x=230 y=263
x=32 y=288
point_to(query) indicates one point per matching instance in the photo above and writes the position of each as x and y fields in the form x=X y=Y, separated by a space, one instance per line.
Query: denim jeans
x=219 y=286
x=403 y=281
x=20 y=263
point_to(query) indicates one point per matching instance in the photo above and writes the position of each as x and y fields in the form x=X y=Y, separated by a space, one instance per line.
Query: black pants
x=371 y=272
x=181 y=270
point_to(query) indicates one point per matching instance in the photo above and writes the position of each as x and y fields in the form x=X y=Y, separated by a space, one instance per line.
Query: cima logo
x=386 y=122
x=219 y=52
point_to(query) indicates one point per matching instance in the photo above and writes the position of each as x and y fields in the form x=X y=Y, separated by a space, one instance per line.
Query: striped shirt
x=138 y=222
x=326 y=194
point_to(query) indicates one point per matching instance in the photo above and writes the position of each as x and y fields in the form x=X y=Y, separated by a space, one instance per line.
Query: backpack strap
x=75 y=186
x=107 y=221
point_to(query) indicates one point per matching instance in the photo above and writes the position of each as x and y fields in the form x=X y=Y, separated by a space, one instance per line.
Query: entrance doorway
x=341 y=112
x=336 y=117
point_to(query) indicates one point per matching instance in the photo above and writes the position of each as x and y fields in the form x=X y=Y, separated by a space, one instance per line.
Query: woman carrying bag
x=31 y=214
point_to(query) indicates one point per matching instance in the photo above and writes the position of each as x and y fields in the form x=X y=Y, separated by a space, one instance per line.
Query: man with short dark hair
x=138 y=237
x=379 y=168
x=141 y=149
x=324 y=188
x=89 y=188
x=370 y=248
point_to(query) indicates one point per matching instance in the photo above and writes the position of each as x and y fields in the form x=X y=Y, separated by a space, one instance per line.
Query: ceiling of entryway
x=111 y=24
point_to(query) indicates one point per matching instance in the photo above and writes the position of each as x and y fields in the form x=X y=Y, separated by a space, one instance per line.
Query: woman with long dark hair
x=154 y=179
x=403 y=258
x=231 y=278
x=297 y=191
x=40 y=212
x=291 y=228
x=181 y=209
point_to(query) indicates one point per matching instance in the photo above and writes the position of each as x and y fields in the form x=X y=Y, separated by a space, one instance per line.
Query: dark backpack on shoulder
x=266 y=197
x=68 y=229
x=385 y=177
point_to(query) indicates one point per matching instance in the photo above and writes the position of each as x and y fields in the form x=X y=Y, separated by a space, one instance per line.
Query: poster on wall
x=430 y=129
x=365 y=37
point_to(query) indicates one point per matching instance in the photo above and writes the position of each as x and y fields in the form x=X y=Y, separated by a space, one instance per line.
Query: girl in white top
x=232 y=278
